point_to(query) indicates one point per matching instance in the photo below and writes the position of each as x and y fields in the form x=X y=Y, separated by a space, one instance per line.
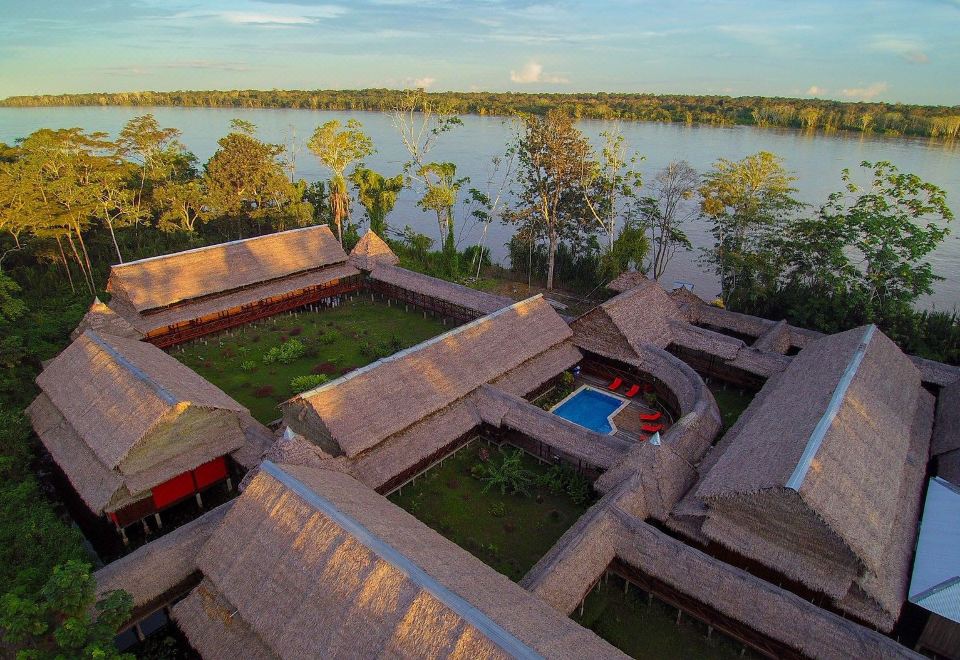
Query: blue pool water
x=589 y=408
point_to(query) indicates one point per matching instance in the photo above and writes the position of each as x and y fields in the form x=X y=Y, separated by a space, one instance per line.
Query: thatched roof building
x=363 y=408
x=121 y=417
x=448 y=298
x=103 y=320
x=159 y=295
x=639 y=316
x=820 y=479
x=628 y=280
x=357 y=577
x=371 y=251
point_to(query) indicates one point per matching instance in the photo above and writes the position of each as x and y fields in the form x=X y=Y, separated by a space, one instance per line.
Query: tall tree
x=609 y=184
x=157 y=155
x=245 y=180
x=550 y=202
x=748 y=201
x=337 y=150
x=666 y=211
x=377 y=195
x=440 y=196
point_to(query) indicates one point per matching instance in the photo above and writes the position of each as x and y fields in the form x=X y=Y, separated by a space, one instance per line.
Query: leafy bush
x=562 y=478
x=507 y=475
x=498 y=510
x=286 y=352
x=328 y=337
x=248 y=365
x=307 y=382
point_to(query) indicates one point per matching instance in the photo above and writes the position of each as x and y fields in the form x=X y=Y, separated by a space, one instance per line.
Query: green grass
x=649 y=631
x=732 y=402
x=508 y=532
x=356 y=333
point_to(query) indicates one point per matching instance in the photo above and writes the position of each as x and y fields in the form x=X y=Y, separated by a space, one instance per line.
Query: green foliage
x=629 y=250
x=883 y=119
x=248 y=365
x=562 y=478
x=377 y=195
x=498 y=510
x=328 y=337
x=308 y=382
x=287 y=352
x=55 y=622
x=507 y=475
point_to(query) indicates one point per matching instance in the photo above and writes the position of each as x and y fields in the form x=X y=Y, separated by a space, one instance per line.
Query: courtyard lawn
x=732 y=402
x=335 y=340
x=508 y=532
x=645 y=630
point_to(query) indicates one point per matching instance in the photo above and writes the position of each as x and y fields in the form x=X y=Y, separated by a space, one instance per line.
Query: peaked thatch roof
x=811 y=481
x=626 y=281
x=161 y=281
x=105 y=321
x=311 y=563
x=479 y=302
x=361 y=409
x=119 y=412
x=371 y=251
x=946 y=430
x=641 y=315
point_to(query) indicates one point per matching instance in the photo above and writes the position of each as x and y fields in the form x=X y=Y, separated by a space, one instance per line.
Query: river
x=815 y=159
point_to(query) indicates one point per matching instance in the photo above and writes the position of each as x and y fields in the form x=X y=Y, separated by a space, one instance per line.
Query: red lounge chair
x=632 y=392
x=650 y=417
x=617 y=382
x=651 y=428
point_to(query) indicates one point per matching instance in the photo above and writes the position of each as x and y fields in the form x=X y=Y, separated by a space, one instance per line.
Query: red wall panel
x=210 y=472
x=174 y=490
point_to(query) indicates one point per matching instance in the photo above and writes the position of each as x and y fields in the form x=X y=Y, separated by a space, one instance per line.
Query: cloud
x=424 y=82
x=532 y=72
x=866 y=93
x=816 y=90
x=280 y=16
x=908 y=49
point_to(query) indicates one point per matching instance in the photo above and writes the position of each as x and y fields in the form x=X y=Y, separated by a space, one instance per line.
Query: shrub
x=248 y=365
x=498 y=510
x=307 y=382
x=328 y=337
x=263 y=392
x=508 y=475
x=285 y=353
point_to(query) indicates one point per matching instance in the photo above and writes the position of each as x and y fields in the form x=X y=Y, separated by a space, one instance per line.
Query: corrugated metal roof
x=935 y=583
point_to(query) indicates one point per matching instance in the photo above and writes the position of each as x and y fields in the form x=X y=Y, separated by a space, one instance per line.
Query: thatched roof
x=272 y=290
x=946 y=430
x=626 y=281
x=312 y=563
x=936 y=373
x=607 y=532
x=105 y=321
x=803 y=483
x=684 y=296
x=948 y=466
x=371 y=251
x=119 y=411
x=479 y=302
x=361 y=409
x=154 y=569
x=639 y=316
x=161 y=281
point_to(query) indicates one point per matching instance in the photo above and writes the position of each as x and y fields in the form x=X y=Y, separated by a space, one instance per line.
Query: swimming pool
x=591 y=409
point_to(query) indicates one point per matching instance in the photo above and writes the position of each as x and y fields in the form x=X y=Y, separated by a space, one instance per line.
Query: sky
x=885 y=50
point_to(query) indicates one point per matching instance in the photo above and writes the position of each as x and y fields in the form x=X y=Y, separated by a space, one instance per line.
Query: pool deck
x=628 y=419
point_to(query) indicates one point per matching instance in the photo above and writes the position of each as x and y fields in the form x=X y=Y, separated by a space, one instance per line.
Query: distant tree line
x=891 y=119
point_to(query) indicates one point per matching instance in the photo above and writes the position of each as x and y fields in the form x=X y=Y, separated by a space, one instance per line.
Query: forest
x=940 y=122
x=73 y=202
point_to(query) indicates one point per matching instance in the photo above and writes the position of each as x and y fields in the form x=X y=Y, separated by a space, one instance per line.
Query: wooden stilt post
x=581 y=607
x=123 y=535
x=229 y=484
x=199 y=501
x=626 y=586
x=146 y=527
x=679 y=616
x=159 y=522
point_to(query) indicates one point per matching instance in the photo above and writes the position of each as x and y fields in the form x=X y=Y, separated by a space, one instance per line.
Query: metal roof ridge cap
x=833 y=408
x=459 y=605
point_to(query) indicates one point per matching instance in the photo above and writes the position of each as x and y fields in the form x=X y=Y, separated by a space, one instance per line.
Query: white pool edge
x=613 y=427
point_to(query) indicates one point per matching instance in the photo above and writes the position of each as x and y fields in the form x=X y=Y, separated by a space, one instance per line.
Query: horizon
x=889 y=51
